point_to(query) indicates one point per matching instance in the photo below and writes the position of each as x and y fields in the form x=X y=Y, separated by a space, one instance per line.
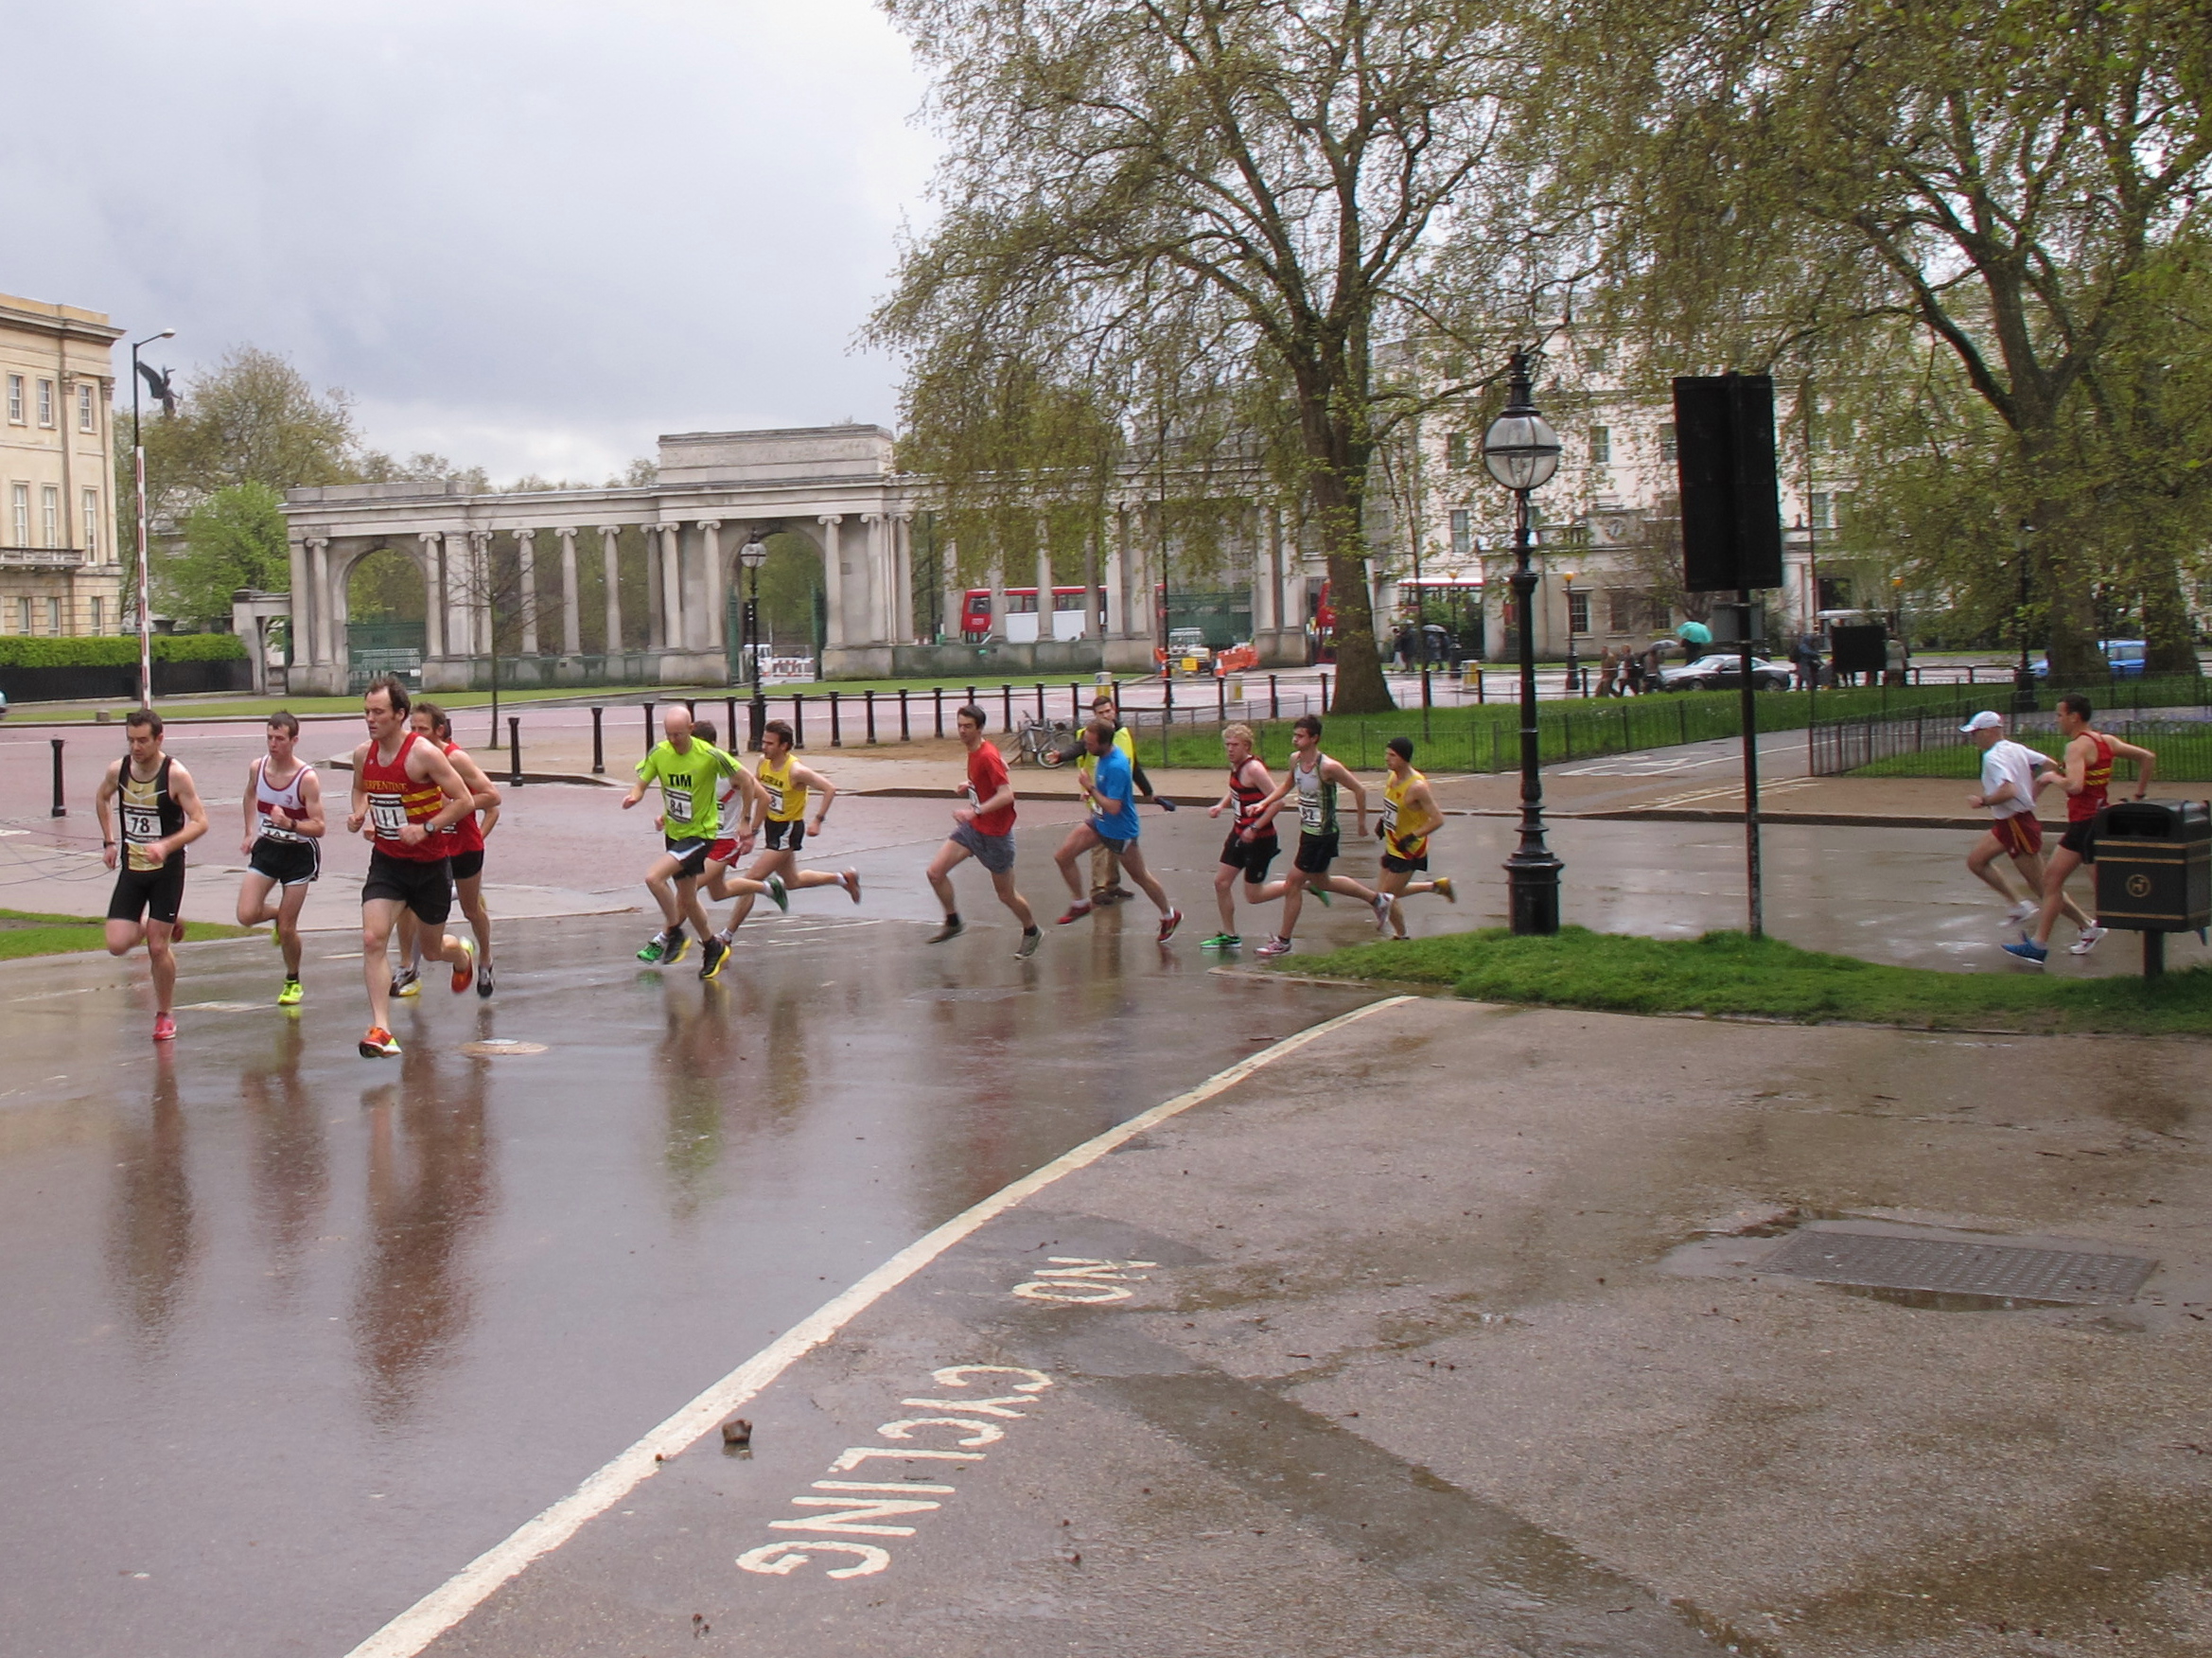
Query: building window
x=87 y=416
x=1463 y=532
x=1632 y=612
x=45 y=402
x=1601 y=446
x=1578 y=612
x=54 y=618
x=15 y=399
x=1667 y=442
x=98 y=619
x=49 y=516
x=1455 y=450
x=91 y=528
x=22 y=614
x=1823 y=516
x=1597 y=360
x=19 y=521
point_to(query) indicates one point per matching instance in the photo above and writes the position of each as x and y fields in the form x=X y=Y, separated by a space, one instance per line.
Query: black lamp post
x=1522 y=452
x=752 y=556
x=1573 y=673
x=138 y=488
x=2024 y=676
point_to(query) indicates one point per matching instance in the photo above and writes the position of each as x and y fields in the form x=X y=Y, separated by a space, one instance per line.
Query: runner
x=1106 y=886
x=282 y=845
x=465 y=852
x=159 y=815
x=784 y=785
x=1315 y=779
x=2087 y=780
x=1112 y=823
x=1410 y=816
x=1248 y=850
x=2009 y=781
x=688 y=770
x=740 y=802
x=404 y=792
x=983 y=830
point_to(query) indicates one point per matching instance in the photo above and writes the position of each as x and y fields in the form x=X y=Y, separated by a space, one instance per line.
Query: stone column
x=526 y=585
x=871 y=588
x=832 y=581
x=717 y=605
x=902 y=579
x=672 y=586
x=1270 y=554
x=948 y=570
x=299 y=649
x=1117 y=573
x=1043 y=578
x=572 y=634
x=318 y=579
x=655 y=604
x=611 y=559
x=433 y=611
x=997 y=601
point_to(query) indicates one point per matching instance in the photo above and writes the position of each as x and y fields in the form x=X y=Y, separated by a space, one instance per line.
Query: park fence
x=2167 y=710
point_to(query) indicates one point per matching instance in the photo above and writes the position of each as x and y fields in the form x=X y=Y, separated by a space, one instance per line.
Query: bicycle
x=1049 y=745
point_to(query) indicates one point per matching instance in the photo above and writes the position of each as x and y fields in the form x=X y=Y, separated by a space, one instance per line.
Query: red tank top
x=1248 y=798
x=2096 y=783
x=468 y=834
x=395 y=799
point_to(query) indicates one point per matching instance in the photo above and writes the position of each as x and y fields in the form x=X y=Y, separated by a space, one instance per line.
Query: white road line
x=446 y=1605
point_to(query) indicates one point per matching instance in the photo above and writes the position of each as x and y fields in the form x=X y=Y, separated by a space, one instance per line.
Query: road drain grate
x=1944 y=1267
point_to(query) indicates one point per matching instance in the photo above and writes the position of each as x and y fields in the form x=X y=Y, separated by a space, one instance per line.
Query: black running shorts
x=691 y=857
x=288 y=863
x=156 y=894
x=467 y=864
x=1404 y=865
x=1251 y=856
x=424 y=885
x=1315 y=854
x=2077 y=840
x=784 y=836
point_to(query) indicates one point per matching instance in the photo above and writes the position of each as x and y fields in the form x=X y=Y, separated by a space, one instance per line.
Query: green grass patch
x=2183 y=749
x=23 y=933
x=1731 y=973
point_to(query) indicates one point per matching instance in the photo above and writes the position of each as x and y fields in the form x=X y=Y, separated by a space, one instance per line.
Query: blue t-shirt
x=1111 y=781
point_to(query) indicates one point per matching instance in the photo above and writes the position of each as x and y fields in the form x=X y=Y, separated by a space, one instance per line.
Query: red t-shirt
x=986 y=777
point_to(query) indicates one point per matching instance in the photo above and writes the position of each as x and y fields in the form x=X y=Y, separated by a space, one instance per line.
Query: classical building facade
x=61 y=572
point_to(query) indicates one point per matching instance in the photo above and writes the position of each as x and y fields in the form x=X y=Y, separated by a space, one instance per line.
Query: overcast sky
x=532 y=235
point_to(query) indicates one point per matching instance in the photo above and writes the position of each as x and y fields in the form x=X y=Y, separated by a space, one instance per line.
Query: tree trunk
x=2169 y=643
x=1339 y=488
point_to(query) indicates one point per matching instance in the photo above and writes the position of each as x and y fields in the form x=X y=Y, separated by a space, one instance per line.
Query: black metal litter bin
x=2153 y=862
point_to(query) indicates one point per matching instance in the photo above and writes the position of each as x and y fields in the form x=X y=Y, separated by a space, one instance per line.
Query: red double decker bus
x=1022 y=616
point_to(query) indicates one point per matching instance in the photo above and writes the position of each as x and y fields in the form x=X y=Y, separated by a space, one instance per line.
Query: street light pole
x=1573 y=674
x=752 y=556
x=2023 y=675
x=138 y=486
x=1522 y=452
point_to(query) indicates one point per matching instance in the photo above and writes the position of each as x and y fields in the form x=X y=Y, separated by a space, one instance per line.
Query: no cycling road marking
x=406 y=1636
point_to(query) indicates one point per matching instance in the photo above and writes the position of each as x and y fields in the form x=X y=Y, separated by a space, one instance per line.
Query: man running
x=690 y=812
x=404 y=792
x=1247 y=851
x=983 y=830
x=465 y=854
x=282 y=845
x=1410 y=816
x=159 y=815
x=2087 y=780
x=1314 y=777
x=2010 y=783
x=784 y=785
x=1112 y=792
x=1106 y=886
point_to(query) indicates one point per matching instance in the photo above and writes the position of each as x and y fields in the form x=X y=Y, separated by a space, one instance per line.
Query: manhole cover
x=1944 y=1267
x=985 y=992
x=499 y=1048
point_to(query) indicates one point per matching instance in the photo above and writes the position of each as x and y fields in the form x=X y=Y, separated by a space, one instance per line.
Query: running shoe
x=713 y=953
x=275 y=938
x=953 y=929
x=290 y=996
x=1168 y=923
x=464 y=969
x=403 y=983
x=1322 y=894
x=1222 y=941
x=779 y=894
x=656 y=949
x=1382 y=908
x=850 y=880
x=2087 y=941
x=1075 y=911
x=484 y=980
x=379 y=1041
x=676 y=947
x=165 y=1028
x=1274 y=947
x=1442 y=885
x=1032 y=938
x=2021 y=912
x=2028 y=950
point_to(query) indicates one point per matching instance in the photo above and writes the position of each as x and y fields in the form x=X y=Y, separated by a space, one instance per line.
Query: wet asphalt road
x=293 y=1335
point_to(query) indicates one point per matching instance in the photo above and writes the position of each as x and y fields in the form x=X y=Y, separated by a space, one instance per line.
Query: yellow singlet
x=786 y=800
x=1394 y=801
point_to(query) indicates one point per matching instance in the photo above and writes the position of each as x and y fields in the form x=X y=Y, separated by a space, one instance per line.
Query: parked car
x=2125 y=655
x=1724 y=671
x=1189 y=645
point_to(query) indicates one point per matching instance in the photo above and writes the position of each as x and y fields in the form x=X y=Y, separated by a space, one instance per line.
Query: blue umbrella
x=1693 y=633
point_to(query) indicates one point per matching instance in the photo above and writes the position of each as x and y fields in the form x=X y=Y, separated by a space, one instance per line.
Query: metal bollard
x=868 y=700
x=836 y=729
x=729 y=731
x=60 y=810
x=1006 y=707
x=648 y=728
x=937 y=695
x=513 y=752
x=1041 y=714
x=1275 y=699
x=1325 y=694
x=1075 y=702
x=905 y=732
x=598 y=744
x=1222 y=697
x=799 y=719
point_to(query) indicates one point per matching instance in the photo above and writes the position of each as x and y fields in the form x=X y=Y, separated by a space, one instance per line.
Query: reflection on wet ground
x=295 y=1333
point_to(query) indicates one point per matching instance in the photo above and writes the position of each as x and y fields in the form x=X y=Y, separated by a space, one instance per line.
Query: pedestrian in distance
x=2086 y=777
x=1315 y=779
x=148 y=811
x=405 y=792
x=689 y=771
x=785 y=787
x=1248 y=850
x=2011 y=776
x=283 y=844
x=1410 y=816
x=1110 y=790
x=983 y=829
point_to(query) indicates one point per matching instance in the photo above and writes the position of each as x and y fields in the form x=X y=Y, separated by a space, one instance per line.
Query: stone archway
x=382 y=627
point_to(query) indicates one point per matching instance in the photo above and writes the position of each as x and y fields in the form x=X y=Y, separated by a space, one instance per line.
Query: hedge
x=18 y=651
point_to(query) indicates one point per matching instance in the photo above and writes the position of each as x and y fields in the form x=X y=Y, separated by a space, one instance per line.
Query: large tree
x=2011 y=182
x=1187 y=223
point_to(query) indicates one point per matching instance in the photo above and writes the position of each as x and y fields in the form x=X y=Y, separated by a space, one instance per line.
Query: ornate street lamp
x=752 y=556
x=160 y=383
x=1522 y=452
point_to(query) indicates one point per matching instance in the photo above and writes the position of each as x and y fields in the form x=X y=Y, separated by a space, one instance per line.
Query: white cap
x=1984 y=721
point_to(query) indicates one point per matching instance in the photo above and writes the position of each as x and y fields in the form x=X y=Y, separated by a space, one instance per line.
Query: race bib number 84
x=678 y=802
